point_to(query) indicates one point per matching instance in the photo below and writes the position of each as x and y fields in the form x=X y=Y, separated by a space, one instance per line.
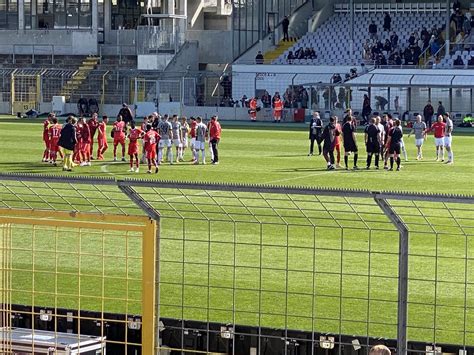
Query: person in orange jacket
x=277 y=109
x=253 y=109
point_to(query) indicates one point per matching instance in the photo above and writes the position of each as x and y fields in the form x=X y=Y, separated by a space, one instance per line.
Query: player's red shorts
x=277 y=113
x=337 y=146
x=53 y=145
x=133 y=148
x=119 y=139
x=151 y=152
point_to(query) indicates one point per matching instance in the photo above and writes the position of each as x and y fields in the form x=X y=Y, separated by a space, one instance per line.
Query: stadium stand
x=330 y=40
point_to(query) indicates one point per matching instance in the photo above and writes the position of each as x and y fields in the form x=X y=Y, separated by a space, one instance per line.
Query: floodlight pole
x=402 y=316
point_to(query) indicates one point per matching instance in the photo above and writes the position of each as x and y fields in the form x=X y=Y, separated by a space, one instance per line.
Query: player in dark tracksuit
x=329 y=139
x=315 y=131
x=350 y=144
x=394 y=144
x=372 y=143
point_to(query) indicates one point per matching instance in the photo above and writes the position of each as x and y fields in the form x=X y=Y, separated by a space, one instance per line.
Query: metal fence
x=258 y=269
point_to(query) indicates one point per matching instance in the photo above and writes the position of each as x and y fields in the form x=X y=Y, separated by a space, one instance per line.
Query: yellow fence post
x=148 y=287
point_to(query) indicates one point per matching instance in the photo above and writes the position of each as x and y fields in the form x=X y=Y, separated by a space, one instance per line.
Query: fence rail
x=273 y=267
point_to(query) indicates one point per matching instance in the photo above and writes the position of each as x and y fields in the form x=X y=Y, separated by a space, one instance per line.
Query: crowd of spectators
x=301 y=53
x=390 y=51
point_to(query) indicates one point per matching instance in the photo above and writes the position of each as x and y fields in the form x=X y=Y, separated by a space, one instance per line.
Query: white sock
x=203 y=152
x=160 y=154
x=405 y=153
x=170 y=155
x=196 y=155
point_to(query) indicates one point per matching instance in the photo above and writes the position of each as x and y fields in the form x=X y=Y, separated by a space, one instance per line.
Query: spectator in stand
x=366 y=51
x=434 y=45
x=394 y=40
x=290 y=57
x=397 y=59
x=466 y=26
x=459 y=40
x=470 y=62
x=428 y=113
x=336 y=79
x=458 y=62
x=456 y=5
x=259 y=58
x=266 y=100
x=366 y=109
x=412 y=39
x=387 y=22
x=285 y=24
x=373 y=31
x=387 y=46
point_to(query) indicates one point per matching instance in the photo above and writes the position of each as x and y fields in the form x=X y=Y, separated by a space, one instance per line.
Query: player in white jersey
x=381 y=132
x=165 y=131
x=448 y=137
x=200 y=145
x=184 y=136
x=419 y=128
x=177 y=139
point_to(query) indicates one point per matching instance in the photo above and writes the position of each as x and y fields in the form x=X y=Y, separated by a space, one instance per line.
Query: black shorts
x=373 y=147
x=394 y=148
x=350 y=146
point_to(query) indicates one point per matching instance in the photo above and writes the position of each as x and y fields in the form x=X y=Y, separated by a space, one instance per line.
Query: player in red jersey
x=46 y=124
x=102 y=138
x=93 y=124
x=76 y=157
x=85 y=148
x=151 y=139
x=439 y=128
x=192 y=134
x=119 y=136
x=134 y=135
x=54 y=132
x=146 y=120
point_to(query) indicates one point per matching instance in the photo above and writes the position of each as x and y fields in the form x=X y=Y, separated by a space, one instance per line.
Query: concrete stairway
x=80 y=76
x=281 y=47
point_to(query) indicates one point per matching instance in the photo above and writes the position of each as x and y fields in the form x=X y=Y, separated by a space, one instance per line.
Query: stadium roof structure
x=415 y=78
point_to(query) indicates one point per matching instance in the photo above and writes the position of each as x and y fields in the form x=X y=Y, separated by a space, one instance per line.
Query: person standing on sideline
x=277 y=109
x=448 y=138
x=102 y=138
x=394 y=140
x=366 y=109
x=214 y=138
x=428 y=113
x=419 y=128
x=285 y=24
x=438 y=128
x=350 y=142
x=315 y=132
x=126 y=114
x=372 y=143
x=253 y=109
x=68 y=141
x=329 y=139
x=441 y=110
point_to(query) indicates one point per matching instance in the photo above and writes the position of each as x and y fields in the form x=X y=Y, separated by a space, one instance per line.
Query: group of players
x=383 y=138
x=74 y=140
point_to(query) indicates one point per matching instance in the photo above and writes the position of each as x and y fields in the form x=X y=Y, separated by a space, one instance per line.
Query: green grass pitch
x=270 y=275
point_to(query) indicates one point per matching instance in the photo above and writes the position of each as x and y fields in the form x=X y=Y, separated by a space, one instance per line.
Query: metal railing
x=244 y=268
